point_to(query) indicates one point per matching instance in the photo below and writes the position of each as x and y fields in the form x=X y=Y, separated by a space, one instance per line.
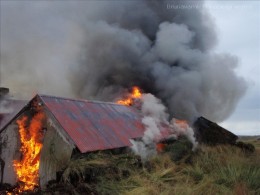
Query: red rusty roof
x=9 y=109
x=91 y=125
x=95 y=125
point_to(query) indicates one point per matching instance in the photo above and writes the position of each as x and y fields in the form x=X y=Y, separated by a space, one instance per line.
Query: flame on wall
x=27 y=169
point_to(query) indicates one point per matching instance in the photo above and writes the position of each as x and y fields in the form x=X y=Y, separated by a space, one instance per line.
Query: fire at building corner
x=27 y=163
x=41 y=137
x=31 y=133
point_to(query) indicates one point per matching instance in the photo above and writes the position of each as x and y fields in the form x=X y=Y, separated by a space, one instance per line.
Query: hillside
x=209 y=170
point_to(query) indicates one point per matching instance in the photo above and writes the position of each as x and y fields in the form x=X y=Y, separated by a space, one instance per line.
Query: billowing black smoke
x=110 y=46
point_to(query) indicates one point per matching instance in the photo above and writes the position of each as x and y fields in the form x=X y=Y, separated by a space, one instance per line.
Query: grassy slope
x=210 y=170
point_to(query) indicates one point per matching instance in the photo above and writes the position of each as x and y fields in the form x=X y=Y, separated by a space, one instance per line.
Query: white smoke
x=5 y=104
x=5 y=107
x=154 y=115
x=185 y=130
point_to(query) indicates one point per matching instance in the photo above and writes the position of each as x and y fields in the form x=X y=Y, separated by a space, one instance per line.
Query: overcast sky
x=238 y=26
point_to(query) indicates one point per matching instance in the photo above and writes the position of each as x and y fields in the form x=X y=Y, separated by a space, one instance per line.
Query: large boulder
x=210 y=133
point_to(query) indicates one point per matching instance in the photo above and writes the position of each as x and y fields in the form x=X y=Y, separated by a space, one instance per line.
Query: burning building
x=101 y=50
x=40 y=138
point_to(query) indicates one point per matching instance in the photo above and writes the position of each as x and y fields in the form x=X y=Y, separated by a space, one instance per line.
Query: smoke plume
x=154 y=116
x=4 y=107
x=4 y=103
x=97 y=50
x=154 y=113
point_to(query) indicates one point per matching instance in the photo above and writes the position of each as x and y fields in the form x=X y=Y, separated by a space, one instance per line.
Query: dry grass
x=210 y=170
x=218 y=170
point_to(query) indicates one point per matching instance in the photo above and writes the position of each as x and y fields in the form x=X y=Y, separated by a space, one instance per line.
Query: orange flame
x=135 y=94
x=160 y=147
x=27 y=170
x=182 y=123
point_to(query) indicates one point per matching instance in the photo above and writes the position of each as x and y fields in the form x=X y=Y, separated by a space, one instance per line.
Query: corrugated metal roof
x=10 y=110
x=95 y=125
x=91 y=125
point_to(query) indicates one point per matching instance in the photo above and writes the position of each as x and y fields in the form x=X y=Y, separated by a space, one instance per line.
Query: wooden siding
x=10 y=145
x=55 y=154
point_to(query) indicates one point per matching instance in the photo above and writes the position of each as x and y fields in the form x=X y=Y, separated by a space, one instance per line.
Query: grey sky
x=238 y=27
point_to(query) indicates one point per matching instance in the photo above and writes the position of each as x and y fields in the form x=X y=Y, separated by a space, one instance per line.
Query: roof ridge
x=79 y=100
